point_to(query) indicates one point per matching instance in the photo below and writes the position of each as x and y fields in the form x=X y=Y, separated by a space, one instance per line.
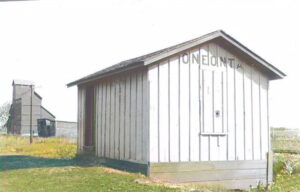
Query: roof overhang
x=277 y=74
x=273 y=72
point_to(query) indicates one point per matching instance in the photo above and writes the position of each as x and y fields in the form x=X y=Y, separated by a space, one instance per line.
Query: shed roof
x=22 y=82
x=163 y=53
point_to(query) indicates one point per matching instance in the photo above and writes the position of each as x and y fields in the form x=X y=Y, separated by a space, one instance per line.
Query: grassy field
x=51 y=165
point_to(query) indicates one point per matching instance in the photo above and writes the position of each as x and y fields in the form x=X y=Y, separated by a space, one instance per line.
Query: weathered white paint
x=163 y=113
x=180 y=112
x=212 y=112
x=121 y=117
x=153 y=123
x=174 y=111
x=194 y=108
x=184 y=111
x=81 y=119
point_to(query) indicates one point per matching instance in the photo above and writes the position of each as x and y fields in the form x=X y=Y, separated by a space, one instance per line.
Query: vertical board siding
x=153 y=117
x=81 y=119
x=184 y=111
x=194 y=106
x=117 y=120
x=177 y=106
x=248 y=112
x=122 y=118
x=139 y=117
x=256 y=113
x=204 y=146
x=239 y=78
x=174 y=112
x=212 y=112
x=107 y=120
x=103 y=119
x=99 y=116
x=112 y=120
x=133 y=116
x=145 y=118
x=163 y=112
x=264 y=116
x=96 y=119
x=231 y=111
x=127 y=117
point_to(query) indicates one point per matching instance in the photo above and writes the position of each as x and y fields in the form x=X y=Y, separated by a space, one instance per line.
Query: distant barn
x=193 y=112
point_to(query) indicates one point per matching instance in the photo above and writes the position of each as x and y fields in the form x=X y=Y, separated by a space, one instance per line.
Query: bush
x=286 y=164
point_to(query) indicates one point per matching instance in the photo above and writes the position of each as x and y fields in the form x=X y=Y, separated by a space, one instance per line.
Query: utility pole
x=31 y=90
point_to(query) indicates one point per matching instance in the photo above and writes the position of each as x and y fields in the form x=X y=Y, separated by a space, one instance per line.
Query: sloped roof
x=163 y=53
x=22 y=82
x=48 y=112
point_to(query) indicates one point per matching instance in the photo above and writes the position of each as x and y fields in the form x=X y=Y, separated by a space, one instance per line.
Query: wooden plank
x=127 y=116
x=231 y=110
x=96 y=104
x=103 y=125
x=218 y=148
x=200 y=103
x=153 y=130
x=83 y=117
x=184 y=112
x=112 y=119
x=117 y=120
x=145 y=123
x=139 y=116
x=264 y=115
x=207 y=76
x=133 y=116
x=163 y=113
x=217 y=99
x=256 y=114
x=78 y=119
x=245 y=184
x=99 y=116
x=194 y=107
x=216 y=175
x=174 y=109
x=239 y=82
x=107 y=120
x=248 y=113
x=122 y=117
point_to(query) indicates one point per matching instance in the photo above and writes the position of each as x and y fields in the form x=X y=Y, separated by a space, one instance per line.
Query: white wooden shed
x=193 y=112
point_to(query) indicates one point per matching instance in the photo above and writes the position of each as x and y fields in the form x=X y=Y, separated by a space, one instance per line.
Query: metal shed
x=193 y=112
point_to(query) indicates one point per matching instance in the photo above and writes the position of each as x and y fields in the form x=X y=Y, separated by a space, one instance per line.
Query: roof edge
x=167 y=52
x=48 y=112
x=229 y=39
x=110 y=73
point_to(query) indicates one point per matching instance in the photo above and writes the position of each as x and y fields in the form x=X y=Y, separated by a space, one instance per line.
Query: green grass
x=51 y=165
x=41 y=147
x=72 y=179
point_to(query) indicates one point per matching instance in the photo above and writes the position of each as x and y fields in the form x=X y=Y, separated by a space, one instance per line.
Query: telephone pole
x=31 y=89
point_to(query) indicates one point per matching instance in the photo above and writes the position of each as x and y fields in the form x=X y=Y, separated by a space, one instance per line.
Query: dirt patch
x=110 y=170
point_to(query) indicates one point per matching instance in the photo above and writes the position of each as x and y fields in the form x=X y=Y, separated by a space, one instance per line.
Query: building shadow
x=11 y=162
x=14 y=162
